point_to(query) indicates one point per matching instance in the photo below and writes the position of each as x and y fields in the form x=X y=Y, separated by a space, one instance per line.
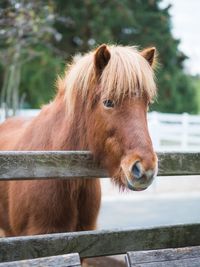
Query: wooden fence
x=68 y=165
x=174 y=132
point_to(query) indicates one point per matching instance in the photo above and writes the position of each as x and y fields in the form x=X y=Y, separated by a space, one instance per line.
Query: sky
x=186 y=27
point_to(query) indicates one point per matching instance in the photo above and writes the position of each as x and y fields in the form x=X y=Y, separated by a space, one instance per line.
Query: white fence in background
x=174 y=132
x=169 y=132
x=20 y=112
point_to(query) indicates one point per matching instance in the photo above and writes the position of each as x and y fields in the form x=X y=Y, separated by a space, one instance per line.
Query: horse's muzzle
x=137 y=177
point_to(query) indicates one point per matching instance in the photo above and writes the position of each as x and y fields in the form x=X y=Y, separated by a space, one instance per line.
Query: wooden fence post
x=154 y=129
x=185 y=125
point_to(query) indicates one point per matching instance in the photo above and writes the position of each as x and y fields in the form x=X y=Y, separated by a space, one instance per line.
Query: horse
x=100 y=105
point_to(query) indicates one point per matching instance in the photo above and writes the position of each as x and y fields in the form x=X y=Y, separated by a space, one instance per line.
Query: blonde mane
x=127 y=73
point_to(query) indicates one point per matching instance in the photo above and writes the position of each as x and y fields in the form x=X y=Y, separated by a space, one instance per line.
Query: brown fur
x=77 y=120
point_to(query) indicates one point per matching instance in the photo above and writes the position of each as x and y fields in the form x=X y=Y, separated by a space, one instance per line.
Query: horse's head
x=121 y=88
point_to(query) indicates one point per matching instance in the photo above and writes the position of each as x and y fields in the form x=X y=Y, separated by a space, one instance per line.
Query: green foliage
x=85 y=24
x=38 y=79
x=195 y=80
x=24 y=25
x=130 y=22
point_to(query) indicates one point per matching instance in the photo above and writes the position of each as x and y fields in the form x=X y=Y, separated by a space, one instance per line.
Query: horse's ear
x=101 y=58
x=150 y=55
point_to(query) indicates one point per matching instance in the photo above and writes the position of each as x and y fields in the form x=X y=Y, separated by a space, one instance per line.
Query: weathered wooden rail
x=69 y=165
x=99 y=243
x=28 y=165
x=69 y=260
x=183 y=257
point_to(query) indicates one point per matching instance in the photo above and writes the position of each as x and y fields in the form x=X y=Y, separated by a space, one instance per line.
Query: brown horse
x=101 y=106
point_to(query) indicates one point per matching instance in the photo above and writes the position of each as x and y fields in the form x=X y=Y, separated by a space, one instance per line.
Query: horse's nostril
x=136 y=170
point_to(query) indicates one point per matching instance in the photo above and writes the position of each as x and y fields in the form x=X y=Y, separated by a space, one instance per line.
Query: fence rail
x=28 y=165
x=99 y=243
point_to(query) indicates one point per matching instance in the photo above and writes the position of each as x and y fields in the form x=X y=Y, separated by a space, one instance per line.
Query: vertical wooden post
x=185 y=125
x=154 y=130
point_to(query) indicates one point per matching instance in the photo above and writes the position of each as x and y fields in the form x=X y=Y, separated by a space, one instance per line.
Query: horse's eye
x=109 y=103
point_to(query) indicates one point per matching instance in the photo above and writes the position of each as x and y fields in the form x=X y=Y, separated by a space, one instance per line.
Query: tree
x=82 y=25
x=25 y=25
x=128 y=22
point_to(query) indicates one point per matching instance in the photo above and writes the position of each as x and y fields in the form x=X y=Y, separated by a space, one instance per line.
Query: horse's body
x=101 y=106
x=48 y=206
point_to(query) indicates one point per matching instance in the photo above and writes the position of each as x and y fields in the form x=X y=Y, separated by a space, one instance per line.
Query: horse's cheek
x=95 y=140
x=112 y=154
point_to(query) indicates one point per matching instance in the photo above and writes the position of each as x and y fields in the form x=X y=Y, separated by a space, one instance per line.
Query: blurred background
x=38 y=37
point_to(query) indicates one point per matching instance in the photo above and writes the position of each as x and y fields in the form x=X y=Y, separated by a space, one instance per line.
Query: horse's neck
x=64 y=133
